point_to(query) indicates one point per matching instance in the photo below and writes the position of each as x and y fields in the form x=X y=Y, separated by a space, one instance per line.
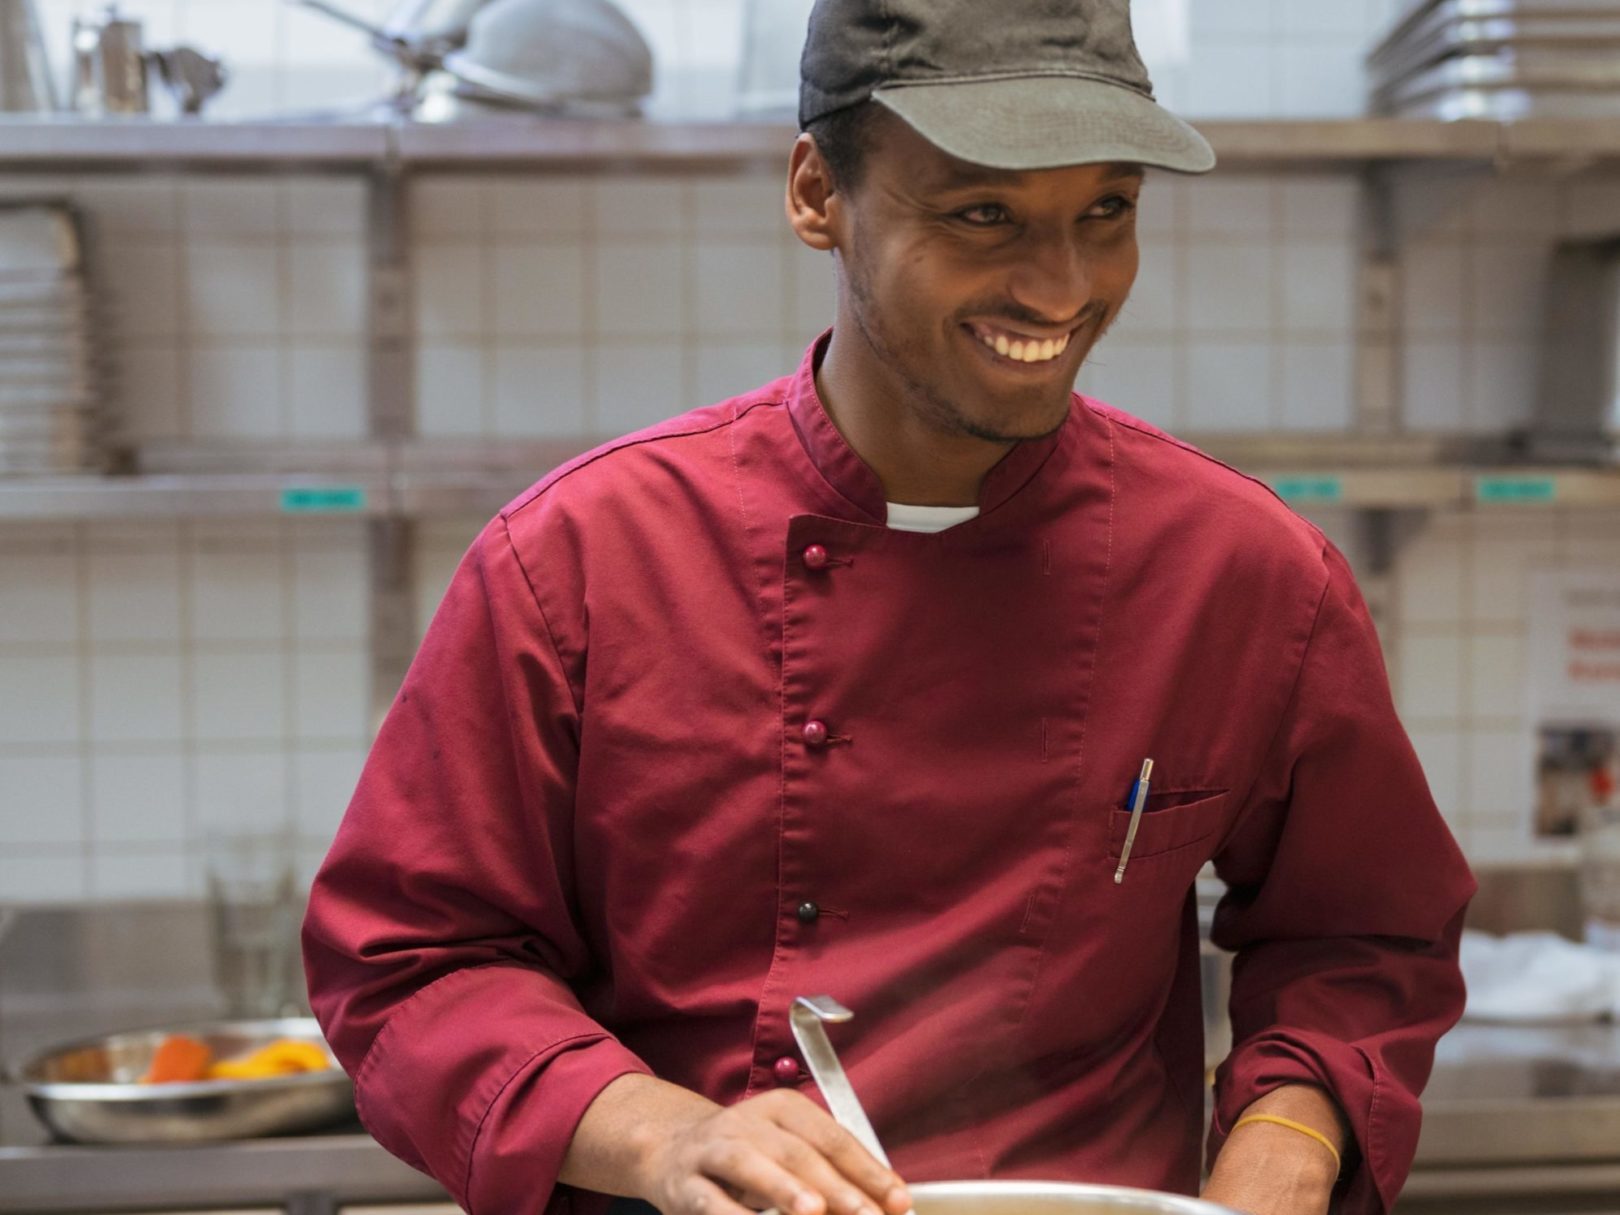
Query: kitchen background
x=159 y=678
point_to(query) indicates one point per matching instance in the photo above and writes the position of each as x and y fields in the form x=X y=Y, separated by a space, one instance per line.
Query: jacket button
x=815 y=733
x=786 y=1070
x=807 y=912
x=815 y=557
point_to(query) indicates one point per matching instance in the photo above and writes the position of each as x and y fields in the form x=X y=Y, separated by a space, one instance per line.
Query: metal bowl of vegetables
x=189 y=1084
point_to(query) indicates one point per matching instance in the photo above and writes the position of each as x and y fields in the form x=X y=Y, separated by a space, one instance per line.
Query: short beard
x=938 y=411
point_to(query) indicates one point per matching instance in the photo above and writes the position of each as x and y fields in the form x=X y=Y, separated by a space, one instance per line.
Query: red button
x=815 y=557
x=815 y=733
x=786 y=1070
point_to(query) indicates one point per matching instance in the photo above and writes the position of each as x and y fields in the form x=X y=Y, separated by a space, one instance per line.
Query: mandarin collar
x=854 y=479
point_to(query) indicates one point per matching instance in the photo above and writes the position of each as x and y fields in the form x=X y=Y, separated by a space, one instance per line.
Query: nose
x=1052 y=276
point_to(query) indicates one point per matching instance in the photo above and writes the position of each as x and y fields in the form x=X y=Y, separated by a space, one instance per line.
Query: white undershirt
x=904 y=517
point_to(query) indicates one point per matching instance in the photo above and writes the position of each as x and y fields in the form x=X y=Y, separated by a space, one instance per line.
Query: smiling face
x=978 y=293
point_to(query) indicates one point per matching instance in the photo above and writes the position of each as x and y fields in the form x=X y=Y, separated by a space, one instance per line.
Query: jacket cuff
x=522 y=1140
x=1383 y=1118
x=480 y=1078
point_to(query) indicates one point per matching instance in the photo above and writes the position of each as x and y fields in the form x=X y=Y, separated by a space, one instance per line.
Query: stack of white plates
x=50 y=392
x=1500 y=59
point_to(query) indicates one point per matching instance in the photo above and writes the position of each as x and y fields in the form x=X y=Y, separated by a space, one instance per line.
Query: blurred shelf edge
x=64 y=143
x=50 y=142
x=446 y=477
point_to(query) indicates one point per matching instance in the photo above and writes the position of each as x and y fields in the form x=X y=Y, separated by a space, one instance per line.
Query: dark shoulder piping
x=614 y=446
x=1114 y=418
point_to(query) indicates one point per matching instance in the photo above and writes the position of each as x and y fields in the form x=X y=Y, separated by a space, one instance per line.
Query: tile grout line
x=85 y=749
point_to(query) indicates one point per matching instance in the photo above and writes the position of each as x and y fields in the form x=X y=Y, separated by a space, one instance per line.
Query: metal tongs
x=808 y=1017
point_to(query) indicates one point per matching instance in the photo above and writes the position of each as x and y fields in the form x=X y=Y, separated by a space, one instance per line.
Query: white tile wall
x=191 y=673
x=157 y=678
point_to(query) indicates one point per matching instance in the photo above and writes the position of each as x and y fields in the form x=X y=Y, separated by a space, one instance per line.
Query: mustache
x=1001 y=311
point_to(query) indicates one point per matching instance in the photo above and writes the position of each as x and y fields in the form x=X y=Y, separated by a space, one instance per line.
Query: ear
x=812 y=202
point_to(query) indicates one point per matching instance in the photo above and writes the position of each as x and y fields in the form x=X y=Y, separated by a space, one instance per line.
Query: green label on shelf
x=1515 y=489
x=323 y=499
x=1310 y=489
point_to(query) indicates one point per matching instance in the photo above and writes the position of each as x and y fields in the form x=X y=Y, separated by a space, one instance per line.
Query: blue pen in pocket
x=1137 y=798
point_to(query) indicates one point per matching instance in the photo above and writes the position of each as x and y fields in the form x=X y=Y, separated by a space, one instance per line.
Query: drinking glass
x=254 y=915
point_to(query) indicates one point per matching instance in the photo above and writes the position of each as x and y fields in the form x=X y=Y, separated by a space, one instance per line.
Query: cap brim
x=1045 y=122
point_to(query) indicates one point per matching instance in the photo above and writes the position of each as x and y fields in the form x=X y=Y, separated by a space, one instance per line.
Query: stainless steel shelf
x=193 y=495
x=420 y=478
x=58 y=143
x=49 y=142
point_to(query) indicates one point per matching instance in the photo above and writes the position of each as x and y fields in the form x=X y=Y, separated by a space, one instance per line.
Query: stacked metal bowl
x=50 y=393
x=1502 y=60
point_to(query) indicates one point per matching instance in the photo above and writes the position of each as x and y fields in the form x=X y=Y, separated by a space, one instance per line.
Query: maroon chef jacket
x=659 y=768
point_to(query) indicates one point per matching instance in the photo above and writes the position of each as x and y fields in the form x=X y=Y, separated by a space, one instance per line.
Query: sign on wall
x=1574 y=684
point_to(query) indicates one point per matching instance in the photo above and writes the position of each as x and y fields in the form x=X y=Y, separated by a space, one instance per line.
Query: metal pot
x=1049 y=1198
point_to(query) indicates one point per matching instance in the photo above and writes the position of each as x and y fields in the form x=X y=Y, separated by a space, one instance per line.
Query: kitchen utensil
x=109 y=72
x=1414 y=15
x=1499 y=59
x=50 y=376
x=808 y=1017
x=1453 y=38
x=434 y=27
x=190 y=76
x=553 y=53
x=416 y=35
x=25 y=70
x=89 y=1090
x=539 y=54
x=1050 y=1198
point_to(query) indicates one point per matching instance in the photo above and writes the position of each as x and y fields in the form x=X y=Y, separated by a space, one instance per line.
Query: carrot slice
x=178 y=1058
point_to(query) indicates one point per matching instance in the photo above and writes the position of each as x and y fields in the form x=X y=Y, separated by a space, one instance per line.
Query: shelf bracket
x=1378 y=320
x=390 y=418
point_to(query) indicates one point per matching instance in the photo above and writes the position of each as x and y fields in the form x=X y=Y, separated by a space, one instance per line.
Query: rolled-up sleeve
x=1345 y=901
x=441 y=938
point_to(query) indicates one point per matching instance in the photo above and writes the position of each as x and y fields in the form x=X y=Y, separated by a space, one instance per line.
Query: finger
x=753 y=1167
x=815 y=1170
x=816 y=1127
x=700 y=1196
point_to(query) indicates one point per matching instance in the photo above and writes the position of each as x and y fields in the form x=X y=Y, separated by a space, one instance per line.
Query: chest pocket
x=1173 y=823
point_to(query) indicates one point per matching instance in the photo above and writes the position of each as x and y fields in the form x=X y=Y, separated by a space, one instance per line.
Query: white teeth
x=1030 y=351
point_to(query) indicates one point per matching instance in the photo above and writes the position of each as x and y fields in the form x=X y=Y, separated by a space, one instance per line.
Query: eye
x=983 y=215
x=1116 y=206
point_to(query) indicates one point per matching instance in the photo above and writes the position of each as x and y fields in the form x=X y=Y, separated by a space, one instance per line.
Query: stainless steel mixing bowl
x=90 y=1091
x=1049 y=1198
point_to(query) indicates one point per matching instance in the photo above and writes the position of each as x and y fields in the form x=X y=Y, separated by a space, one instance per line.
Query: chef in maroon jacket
x=844 y=686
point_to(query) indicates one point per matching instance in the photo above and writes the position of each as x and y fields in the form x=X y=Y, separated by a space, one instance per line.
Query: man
x=843 y=686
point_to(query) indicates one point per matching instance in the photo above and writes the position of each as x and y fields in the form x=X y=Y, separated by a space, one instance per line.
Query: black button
x=808 y=912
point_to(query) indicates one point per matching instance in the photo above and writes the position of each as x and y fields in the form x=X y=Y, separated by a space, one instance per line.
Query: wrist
x=1282 y=1152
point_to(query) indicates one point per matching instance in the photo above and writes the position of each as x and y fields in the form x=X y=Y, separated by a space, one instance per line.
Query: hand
x=779 y=1149
x=646 y=1138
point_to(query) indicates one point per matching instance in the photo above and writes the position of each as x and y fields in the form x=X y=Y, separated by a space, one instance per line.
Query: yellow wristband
x=1338 y=1161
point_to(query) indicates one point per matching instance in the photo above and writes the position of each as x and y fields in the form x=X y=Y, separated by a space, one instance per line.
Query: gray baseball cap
x=1011 y=84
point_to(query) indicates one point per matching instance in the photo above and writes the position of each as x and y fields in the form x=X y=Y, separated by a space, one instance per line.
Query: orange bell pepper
x=179 y=1058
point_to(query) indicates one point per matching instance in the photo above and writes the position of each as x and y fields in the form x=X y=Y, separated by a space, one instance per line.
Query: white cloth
x=1538 y=976
x=904 y=517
